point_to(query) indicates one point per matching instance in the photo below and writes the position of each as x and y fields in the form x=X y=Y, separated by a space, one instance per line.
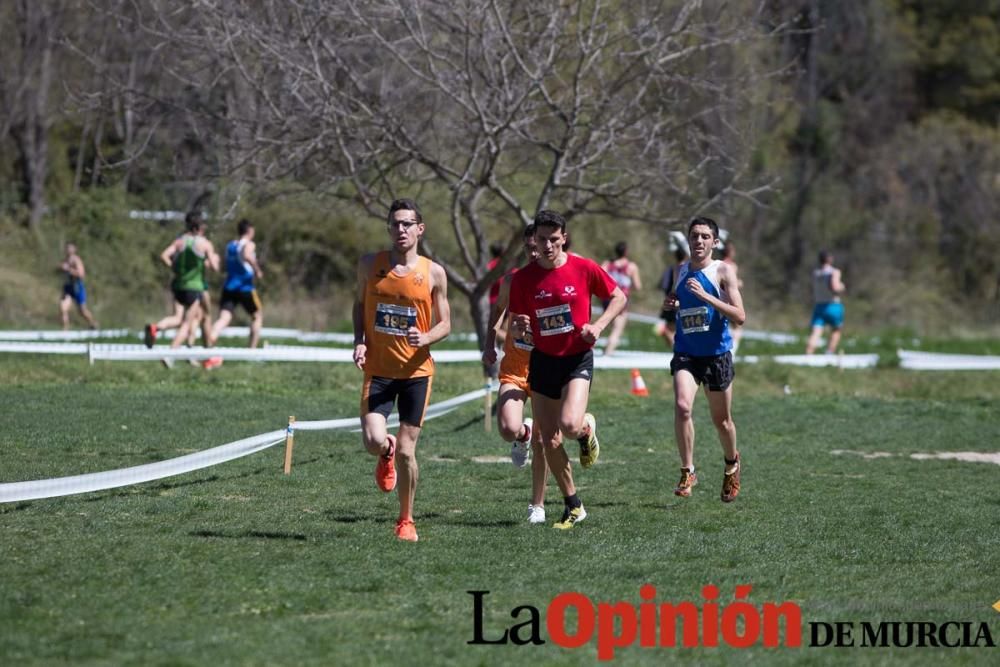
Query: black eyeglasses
x=405 y=224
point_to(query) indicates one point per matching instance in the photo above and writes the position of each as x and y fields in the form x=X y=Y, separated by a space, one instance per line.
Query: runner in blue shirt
x=707 y=298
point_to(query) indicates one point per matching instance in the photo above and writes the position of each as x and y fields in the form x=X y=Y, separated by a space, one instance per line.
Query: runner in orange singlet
x=514 y=390
x=399 y=295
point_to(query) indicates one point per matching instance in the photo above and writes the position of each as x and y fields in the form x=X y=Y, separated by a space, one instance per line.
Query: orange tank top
x=516 y=354
x=393 y=304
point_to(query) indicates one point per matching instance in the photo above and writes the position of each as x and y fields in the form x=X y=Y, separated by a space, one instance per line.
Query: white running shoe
x=536 y=513
x=520 y=450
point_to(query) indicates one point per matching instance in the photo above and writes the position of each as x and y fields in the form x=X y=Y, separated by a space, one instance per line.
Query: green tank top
x=189 y=268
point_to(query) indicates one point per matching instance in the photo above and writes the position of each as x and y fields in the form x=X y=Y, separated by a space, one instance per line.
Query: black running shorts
x=716 y=373
x=378 y=394
x=547 y=374
x=249 y=300
x=186 y=297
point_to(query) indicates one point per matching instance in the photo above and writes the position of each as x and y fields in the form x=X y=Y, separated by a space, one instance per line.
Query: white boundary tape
x=749 y=334
x=86 y=334
x=307 y=336
x=623 y=359
x=936 y=361
x=99 y=481
x=44 y=348
x=849 y=361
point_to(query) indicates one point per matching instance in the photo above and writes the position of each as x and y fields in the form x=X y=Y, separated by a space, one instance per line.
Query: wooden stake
x=488 y=409
x=289 y=444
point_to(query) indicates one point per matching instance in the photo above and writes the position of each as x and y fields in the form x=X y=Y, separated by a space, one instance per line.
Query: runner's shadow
x=471 y=422
x=249 y=534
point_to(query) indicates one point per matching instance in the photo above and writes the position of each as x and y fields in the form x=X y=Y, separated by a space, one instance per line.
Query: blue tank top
x=239 y=274
x=702 y=331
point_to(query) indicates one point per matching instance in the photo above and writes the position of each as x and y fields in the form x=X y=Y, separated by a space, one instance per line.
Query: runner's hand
x=520 y=324
x=490 y=355
x=696 y=288
x=415 y=337
x=360 y=355
x=589 y=333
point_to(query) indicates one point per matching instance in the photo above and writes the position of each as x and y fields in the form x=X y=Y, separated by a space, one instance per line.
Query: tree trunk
x=479 y=307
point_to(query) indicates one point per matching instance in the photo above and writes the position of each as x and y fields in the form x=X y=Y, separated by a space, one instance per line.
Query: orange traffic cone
x=638 y=384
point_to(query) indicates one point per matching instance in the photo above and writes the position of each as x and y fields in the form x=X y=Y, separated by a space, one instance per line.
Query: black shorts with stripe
x=716 y=373
x=378 y=394
x=548 y=374
x=249 y=300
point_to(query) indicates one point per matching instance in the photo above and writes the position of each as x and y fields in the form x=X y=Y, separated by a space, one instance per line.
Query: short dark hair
x=194 y=220
x=825 y=256
x=529 y=230
x=496 y=248
x=243 y=226
x=404 y=205
x=547 y=218
x=620 y=249
x=708 y=222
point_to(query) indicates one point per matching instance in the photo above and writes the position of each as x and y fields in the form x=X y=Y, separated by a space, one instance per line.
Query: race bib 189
x=555 y=320
x=394 y=320
x=693 y=320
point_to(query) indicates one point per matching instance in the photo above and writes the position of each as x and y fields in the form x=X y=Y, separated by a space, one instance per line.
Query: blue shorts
x=830 y=314
x=76 y=291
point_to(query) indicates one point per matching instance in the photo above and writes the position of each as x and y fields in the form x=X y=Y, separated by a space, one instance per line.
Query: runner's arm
x=358 y=312
x=442 y=311
x=497 y=314
x=167 y=256
x=250 y=257
x=636 y=280
x=836 y=284
x=733 y=307
x=616 y=304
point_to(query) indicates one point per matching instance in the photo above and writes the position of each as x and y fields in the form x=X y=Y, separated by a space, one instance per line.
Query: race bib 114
x=693 y=320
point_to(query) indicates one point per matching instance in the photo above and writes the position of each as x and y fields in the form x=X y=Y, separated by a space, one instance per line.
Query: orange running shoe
x=688 y=480
x=149 y=335
x=405 y=530
x=385 y=469
x=731 y=481
x=211 y=363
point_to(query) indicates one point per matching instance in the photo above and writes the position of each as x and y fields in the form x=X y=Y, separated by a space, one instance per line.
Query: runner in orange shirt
x=400 y=309
x=526 y=442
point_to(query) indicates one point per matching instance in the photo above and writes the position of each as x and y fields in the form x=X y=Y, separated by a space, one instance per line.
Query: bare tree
x=490 y=110
x=29 y=29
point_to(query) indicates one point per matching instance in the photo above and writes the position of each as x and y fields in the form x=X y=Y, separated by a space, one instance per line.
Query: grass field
x=240 y=565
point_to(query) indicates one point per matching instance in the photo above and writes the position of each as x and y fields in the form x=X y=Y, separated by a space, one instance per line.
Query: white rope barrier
x=44 y=348
x=98 y=481
x=938 y=361
x=66 y=486
x=21 y=342
x=85 y=334
x=847 y=361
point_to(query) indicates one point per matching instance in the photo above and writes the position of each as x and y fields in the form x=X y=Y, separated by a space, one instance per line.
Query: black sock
x=571 y=502
x=733 y=462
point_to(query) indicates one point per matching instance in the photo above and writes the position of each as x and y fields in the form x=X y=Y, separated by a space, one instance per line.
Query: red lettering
x=607 y=640
x=793 y=623
x=555 y=619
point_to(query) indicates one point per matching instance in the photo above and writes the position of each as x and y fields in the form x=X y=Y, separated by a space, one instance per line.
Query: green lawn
x=240 y=565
